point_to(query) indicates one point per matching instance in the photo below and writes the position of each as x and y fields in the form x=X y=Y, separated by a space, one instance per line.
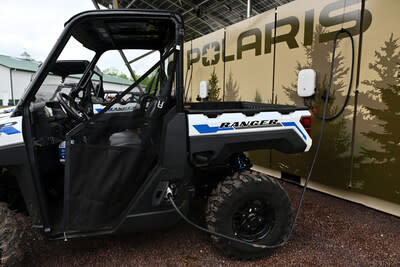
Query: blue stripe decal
x=9 y=130
x=100 y=109
x=204 y=128
x=288 y=124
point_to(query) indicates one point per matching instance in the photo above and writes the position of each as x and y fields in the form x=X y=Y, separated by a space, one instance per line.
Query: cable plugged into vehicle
x=122 y=169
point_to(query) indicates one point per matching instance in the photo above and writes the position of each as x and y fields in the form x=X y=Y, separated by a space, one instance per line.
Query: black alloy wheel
x=252 y=207
x=254 y=220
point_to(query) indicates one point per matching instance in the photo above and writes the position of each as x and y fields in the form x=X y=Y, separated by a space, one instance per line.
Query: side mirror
x=203 y=89
x=306 y=82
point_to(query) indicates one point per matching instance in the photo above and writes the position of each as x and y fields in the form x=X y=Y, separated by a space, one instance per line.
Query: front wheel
x=252 y=207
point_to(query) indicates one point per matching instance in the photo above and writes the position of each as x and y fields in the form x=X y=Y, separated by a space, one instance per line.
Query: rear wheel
x=12 y=230
x=252 y=207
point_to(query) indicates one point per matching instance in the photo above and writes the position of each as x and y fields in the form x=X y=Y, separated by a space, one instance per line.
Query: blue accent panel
x=288 y=124
x=204 y=128
x=9 y=130
x=100 y=109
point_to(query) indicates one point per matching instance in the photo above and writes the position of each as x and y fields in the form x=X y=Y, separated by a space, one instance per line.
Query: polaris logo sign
x=262 y=37
x=237 y=125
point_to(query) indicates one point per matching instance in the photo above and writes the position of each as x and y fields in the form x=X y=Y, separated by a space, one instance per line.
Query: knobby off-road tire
x=249 y=206
x=12 y=235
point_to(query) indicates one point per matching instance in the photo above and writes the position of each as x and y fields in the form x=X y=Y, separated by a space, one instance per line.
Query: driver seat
x=156 y=108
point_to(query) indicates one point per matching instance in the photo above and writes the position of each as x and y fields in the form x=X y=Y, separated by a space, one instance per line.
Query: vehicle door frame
x=22 y=109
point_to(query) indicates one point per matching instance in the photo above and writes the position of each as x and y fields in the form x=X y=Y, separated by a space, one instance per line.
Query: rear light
x=307 y=124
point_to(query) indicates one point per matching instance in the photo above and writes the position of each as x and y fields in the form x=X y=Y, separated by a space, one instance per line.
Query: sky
x=34 y=26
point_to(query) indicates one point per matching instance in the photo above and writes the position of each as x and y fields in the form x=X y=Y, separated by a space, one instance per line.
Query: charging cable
x=346 y=101
x=169 y=193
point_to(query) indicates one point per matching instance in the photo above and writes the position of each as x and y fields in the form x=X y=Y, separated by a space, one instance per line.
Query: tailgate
x=233 y=132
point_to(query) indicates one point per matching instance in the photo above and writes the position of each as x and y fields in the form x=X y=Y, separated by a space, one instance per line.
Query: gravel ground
x=329 y=232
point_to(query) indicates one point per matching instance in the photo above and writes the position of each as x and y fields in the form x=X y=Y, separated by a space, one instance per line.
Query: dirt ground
x=329 y=232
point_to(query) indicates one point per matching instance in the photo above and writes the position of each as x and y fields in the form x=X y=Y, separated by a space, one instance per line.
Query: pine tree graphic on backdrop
x=257 y=98
x=231 y=89
x=382 y=164
x=214 y=90
x=333 y=165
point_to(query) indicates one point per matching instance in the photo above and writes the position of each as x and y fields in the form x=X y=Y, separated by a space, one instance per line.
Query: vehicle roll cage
x=118 y=98
x=22 y=109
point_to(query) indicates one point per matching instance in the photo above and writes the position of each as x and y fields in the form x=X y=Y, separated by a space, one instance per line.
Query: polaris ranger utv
x=117 y=167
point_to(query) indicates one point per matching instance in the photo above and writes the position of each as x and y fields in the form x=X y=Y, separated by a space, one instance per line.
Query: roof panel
x=19 y=63
x=203 y=16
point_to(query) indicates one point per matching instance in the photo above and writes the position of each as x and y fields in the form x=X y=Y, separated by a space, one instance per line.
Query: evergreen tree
x=214 y=90
x=389 y=140
x=381 y=167
x=386 y=66
x=257 y=98
x=387 y=90
x=231 y=89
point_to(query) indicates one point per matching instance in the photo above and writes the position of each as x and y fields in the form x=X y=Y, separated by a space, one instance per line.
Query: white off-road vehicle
x=79 y=170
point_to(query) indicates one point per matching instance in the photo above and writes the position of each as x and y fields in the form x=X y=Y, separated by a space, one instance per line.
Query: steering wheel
x=73 y=109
